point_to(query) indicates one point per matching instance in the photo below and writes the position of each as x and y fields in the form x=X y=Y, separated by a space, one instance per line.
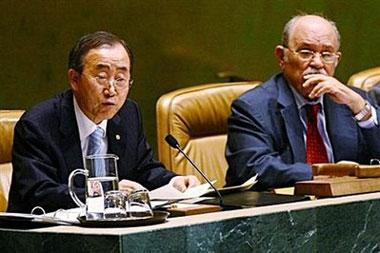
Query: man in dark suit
x=303 y=115
x=52 y=138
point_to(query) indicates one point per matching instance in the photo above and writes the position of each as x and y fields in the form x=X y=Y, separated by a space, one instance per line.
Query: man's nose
x=316 y=61
x=110 y=89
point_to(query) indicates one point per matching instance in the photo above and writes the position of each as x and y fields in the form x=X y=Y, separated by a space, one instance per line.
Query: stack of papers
x=239 y=188
x=168 y=192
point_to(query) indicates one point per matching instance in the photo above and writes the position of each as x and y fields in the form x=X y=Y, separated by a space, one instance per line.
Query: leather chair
x=197 y=118
x=365 y=79
x=8 y=119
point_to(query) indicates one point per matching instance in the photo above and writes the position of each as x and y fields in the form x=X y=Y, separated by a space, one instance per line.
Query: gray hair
x=290 y=24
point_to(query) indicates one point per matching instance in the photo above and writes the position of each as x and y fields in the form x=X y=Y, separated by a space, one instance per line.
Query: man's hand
x=128 y=186
x=181 y=183
x=337 y=91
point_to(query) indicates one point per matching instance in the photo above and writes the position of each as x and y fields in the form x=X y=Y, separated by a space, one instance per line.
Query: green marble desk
x=345 y=224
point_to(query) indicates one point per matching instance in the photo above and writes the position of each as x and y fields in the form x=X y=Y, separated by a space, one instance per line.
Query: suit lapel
x=70 y=141
x=339 y=117
x=118 y=132
x=116 y=137
x=293 y=125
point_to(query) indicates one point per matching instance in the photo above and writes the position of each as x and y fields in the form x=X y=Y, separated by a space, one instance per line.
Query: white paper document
x=243 y=187
x=168 y=192
x=66 y=215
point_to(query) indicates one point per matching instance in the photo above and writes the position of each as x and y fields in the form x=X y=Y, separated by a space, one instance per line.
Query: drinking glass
x=139 y=204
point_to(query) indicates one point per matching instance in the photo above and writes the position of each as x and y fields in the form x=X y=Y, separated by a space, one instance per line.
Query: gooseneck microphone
x=174 y=144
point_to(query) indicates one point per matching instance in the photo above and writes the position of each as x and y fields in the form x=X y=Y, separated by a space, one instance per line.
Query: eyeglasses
x=117 y=82
x=308 y=55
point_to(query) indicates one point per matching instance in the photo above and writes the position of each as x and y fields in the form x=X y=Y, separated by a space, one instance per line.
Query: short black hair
x=94 y=40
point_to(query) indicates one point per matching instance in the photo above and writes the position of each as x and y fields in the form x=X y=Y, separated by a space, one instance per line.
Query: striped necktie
x=94 y=148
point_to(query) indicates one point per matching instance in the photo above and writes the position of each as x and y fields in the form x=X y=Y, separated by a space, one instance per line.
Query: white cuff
x=371 y=122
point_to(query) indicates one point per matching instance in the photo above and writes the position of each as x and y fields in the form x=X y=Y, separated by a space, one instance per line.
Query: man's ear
x=339 y=54
x=73 y=77
x=279 y=52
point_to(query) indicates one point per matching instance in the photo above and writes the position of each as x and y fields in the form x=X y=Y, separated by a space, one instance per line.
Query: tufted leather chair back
x=197 y=118
x=365 y=79
x=8 y=119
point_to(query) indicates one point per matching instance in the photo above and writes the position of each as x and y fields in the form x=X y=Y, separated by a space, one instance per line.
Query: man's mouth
x=312 y=72
x=109 y=103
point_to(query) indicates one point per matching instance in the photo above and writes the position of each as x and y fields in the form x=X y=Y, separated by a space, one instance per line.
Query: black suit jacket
x=47 y=148
x=265 y=136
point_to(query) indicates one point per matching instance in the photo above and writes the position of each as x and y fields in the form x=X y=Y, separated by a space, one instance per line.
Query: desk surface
x=212 y=217
x=326 y=224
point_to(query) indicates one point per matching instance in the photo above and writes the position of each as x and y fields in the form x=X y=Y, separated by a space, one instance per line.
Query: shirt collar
x=301 y=101
x=85 y=125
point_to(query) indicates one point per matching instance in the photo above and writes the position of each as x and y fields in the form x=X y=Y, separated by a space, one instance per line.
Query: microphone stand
x=204 y=176
x=173 y=143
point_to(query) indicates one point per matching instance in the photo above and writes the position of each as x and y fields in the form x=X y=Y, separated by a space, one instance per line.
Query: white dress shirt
x=86 y=127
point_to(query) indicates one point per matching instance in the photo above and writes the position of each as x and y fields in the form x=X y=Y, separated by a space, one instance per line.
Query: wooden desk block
x=337 y=186
x=191 y=209
x=346 y=169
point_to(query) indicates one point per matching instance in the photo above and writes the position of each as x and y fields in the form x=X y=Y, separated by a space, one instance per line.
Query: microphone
x=174 y=144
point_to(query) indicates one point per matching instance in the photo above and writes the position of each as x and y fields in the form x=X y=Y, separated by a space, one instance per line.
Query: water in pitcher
x=97 y=187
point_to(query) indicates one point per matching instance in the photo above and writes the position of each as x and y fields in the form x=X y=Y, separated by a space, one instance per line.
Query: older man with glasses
x=301 y=116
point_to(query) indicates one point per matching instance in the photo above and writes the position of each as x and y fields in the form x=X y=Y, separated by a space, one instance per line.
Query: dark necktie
x=315 y=148
x=94 y=147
